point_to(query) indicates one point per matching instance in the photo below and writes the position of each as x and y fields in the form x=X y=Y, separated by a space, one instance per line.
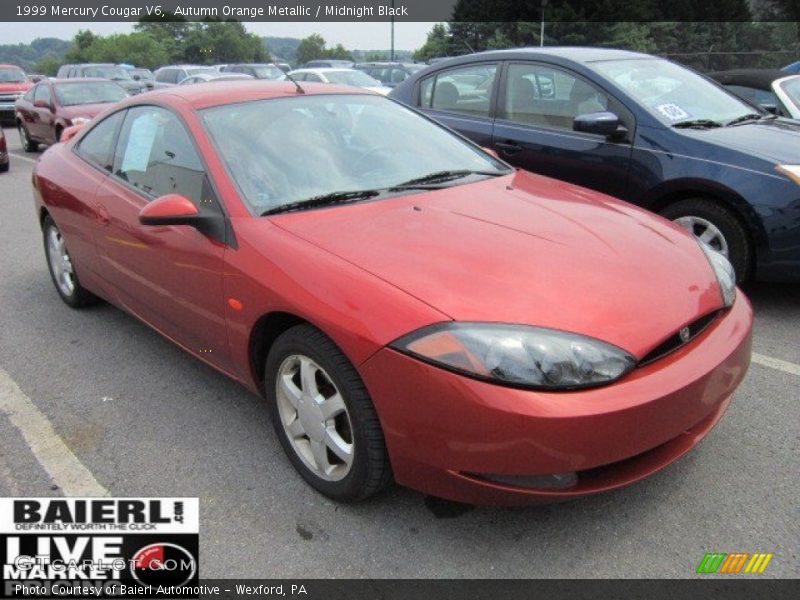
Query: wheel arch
x=672 y=192
x=266 y=330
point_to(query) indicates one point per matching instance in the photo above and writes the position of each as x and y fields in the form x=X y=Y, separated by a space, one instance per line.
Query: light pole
x=392 y=51
x=541 y=31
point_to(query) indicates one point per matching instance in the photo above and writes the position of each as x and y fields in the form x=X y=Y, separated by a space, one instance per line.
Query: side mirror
x=491 y=151
x=770 y=108
x=600 y=123
x=71 y=132
x=174 y=209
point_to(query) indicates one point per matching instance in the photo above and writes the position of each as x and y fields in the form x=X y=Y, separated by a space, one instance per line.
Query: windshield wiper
x=696 y=123
x=322 y=200
x=443 y=176
x=750 y=117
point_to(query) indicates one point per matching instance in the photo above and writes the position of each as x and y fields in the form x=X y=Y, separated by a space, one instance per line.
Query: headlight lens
x=791 y=171
x=519 y=355
x=723 y=269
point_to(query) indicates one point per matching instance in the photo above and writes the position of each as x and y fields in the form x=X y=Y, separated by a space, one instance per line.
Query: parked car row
x=639 y=128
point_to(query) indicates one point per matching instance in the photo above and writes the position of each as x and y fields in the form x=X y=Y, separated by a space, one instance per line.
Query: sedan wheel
x=27 y=144
x=714 y=223
x=324 y=417
x=62 y=269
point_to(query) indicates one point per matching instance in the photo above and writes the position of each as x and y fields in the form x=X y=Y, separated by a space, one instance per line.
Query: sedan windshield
x=199 y=70
x=115 y=73
x=268 y=72
x=97 y=92
x=289 y=150
x=351 y=77
x=12 y=75
x=791 y=87
x=673 y=93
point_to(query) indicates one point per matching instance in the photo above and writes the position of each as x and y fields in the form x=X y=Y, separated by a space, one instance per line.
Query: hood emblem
x=685 y=334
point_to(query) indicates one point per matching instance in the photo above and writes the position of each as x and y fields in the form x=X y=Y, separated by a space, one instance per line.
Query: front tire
x=4 y=167
x=28 y=145
x=717 y=226
x=324 y=417
x=62 y=270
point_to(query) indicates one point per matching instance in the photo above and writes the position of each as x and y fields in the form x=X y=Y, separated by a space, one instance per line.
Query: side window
x=398 y=75
x=97 y=146
x=28 y=97
x=162 y=75
x=155 y=155
x=542 y=95
x=42 y=94
x=464 y=89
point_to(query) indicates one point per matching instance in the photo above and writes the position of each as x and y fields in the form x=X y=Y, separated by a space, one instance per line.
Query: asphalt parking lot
x=115 y=408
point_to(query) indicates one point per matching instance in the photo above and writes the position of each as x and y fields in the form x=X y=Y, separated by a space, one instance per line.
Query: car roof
x=754 y=78
x=205 y=95
x=185 y=67
x=579 y=54
x=2 y=66
x=77 y=80
x=323 y=70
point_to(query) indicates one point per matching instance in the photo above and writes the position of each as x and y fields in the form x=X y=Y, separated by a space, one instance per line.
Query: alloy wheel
x=705 y=231
x=60 y=263
x=315 y=418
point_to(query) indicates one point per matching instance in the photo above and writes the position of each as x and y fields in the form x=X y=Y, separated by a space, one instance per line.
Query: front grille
x=9 y=97
x=675 y=341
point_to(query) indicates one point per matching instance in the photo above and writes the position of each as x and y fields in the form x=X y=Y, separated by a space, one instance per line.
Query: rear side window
x=97 y=146
x=42 y=94
x=464 y=89
x=155 y=154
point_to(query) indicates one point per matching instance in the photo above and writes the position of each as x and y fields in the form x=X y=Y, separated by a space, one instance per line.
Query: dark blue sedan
x=637 y=127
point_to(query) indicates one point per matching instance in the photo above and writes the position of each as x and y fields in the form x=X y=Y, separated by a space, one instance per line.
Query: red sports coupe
x=410 y=306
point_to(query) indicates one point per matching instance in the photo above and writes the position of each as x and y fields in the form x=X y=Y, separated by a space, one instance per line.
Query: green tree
x=168 y=30
x=81 y=43
x=137 y=48
x=436 y=44
x=310 y=48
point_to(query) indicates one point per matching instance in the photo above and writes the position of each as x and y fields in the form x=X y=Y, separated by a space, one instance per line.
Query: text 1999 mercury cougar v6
x=410 y=306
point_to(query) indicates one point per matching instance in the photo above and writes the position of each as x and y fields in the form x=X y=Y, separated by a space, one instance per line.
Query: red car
x=410 y=306
x=4 y=163
x=13 y=83
x=53 y=105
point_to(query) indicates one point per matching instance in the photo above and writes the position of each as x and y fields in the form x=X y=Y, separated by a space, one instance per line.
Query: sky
x=363 y=36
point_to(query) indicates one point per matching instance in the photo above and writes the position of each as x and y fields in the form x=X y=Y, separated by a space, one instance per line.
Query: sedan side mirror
x=174 y=209
x=600 y=123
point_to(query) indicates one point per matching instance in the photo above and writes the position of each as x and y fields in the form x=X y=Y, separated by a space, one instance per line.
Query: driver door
x=169 y=276
x=533 y=130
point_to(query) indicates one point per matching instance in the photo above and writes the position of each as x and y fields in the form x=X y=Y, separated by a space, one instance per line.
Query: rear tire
x=62 y=271
x=343 y=457
x=28 y=145
x=5 y=167
x=719 y=227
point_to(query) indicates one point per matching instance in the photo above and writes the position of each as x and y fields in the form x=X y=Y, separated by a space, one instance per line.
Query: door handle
x=101 y=216
x=509 y=147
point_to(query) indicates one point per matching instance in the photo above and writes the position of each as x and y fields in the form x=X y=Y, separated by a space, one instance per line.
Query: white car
x=206 y=77
x=352 y=77
x=787 y=89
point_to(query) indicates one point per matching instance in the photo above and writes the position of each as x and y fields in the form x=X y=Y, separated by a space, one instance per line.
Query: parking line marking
x=64 y=468
x=776 y=363
x=31 y=160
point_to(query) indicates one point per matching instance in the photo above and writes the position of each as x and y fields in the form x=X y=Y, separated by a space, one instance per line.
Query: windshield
x=791 y=88
x=290 y=149
x=198 y=70
x=12 y=75
x=97 y=92
x=672 y=93
x=115 y=73
x=268 y=72
x=143 y=73
x=355 y=78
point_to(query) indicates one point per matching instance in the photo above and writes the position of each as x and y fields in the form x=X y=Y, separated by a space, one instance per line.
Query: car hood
x=777 y=140
x=83 y=110
x=11 y=88
x=526 y=249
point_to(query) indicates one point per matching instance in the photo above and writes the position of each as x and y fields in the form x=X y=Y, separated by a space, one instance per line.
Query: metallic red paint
x=520 y=248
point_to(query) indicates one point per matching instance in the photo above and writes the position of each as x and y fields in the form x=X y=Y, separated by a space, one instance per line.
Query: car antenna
x=300 y=90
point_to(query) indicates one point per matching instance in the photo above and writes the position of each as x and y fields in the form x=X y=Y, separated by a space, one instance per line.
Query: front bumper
x=449 y=435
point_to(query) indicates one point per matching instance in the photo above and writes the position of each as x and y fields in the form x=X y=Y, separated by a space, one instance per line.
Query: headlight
x=518 y=355
x=791 y=171
x=80 y=120
x=723 y=269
